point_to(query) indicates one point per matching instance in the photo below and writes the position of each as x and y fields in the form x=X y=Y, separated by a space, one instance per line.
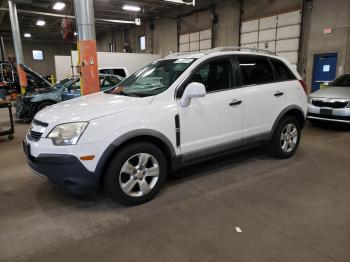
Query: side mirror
x=193 y=89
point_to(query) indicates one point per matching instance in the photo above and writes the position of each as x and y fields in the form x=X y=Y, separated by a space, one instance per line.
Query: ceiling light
x=59 y=6
x=40 y=23
x=184 y=2
x=75 y=33
x=133 y=8
x=27 y=35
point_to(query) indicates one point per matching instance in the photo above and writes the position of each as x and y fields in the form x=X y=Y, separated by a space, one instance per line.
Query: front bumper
x=64 y=171
x=339 y=115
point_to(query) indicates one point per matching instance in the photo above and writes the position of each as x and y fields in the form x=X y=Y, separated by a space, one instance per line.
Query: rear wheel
x=286 y=138
x=136 y=174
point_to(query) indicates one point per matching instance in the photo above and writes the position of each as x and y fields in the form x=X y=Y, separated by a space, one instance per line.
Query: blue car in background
x=31 y=103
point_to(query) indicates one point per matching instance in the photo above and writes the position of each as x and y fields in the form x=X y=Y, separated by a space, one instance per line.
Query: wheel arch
x=295 y=111
x=144 y=135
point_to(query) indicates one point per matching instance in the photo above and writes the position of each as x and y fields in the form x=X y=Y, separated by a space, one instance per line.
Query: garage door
x=198 y=41
x=279 y=34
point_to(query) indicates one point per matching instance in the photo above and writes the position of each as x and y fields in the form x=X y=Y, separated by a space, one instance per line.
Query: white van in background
x=119 y=71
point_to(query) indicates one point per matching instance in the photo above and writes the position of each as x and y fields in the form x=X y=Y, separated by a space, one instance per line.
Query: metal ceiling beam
x=69 y=16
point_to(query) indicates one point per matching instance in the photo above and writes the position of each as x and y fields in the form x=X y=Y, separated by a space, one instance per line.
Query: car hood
x=43 y=91
x=332 y=92
x=36 y=76
x=90 y=107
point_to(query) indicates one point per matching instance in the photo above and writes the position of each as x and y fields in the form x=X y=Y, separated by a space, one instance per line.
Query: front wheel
x=136 y=173
x=286 y=138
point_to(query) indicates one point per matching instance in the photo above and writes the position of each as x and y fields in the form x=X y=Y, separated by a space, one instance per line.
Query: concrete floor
x=289 y=210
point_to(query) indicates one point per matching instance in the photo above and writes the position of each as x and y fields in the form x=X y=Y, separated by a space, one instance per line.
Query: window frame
x=181 y=88
x=36 y=51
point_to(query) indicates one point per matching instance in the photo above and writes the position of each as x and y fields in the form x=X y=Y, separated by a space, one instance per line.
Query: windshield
x=153 y=79
x=65 y=83
x=344 y=80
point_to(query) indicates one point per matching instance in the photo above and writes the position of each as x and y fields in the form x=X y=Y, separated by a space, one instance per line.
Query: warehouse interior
x=242 y=206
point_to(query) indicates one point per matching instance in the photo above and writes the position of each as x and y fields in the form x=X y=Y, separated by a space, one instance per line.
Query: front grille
x=336 y=104
x=34 y=136
x=39 y=123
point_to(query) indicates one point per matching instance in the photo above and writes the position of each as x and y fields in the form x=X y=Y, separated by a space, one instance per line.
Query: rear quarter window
x=283 y=73
x=255 y=69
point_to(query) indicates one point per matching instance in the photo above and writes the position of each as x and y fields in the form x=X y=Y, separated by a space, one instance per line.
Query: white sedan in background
x=332 y=103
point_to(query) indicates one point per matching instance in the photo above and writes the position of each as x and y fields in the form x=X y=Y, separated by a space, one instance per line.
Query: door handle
x=235 y=102
x=278 y=93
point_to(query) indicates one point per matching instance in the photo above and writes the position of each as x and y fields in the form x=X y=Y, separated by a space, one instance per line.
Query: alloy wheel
x=289 y=137
x=139 y=175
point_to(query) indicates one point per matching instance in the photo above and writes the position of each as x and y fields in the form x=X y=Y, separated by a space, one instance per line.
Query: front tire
x=286 y=138
x=136 y=174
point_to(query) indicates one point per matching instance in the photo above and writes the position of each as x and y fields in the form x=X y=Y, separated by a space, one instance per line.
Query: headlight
x=309 y=99
x=67 y=134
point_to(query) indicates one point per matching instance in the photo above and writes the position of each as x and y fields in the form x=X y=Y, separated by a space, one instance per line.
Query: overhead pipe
x=16 y=35
x=102 y=20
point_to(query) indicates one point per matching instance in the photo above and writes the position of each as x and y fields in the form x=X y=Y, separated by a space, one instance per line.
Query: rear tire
x=136 y=174
x=286 y=138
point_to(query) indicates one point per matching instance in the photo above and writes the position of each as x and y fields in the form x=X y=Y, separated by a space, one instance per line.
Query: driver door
x=213 y=121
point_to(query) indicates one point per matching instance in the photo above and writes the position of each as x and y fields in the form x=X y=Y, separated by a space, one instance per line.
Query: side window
x=215 y=75
x=74 y=86
x=110 y=81
x=255 y=69
x=282 y=71
x=119 y=72
x=106 y=71
x=102 y=78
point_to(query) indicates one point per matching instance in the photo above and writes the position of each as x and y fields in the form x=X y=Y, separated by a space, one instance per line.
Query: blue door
x=325 y=68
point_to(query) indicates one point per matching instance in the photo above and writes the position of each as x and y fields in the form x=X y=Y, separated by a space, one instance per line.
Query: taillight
x=303 y=84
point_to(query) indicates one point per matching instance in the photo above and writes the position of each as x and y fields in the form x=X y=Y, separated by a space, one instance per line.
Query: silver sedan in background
x=331 y=103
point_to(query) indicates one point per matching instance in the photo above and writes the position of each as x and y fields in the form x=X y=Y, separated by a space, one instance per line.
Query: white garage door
x=198 y=41
x=279 y=34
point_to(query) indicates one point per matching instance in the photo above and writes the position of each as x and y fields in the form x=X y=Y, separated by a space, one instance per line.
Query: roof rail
x=222 y=49
x=182 y=53
x=238 y=48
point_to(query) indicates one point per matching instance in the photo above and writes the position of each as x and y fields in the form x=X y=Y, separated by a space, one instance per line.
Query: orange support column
x=89 y=80
x=22 y=76
x=88 y=65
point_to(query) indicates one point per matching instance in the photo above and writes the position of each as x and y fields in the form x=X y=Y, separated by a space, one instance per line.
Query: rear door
x=262 y=95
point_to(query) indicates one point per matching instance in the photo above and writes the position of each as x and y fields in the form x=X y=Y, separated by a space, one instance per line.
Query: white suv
x=171 y=113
